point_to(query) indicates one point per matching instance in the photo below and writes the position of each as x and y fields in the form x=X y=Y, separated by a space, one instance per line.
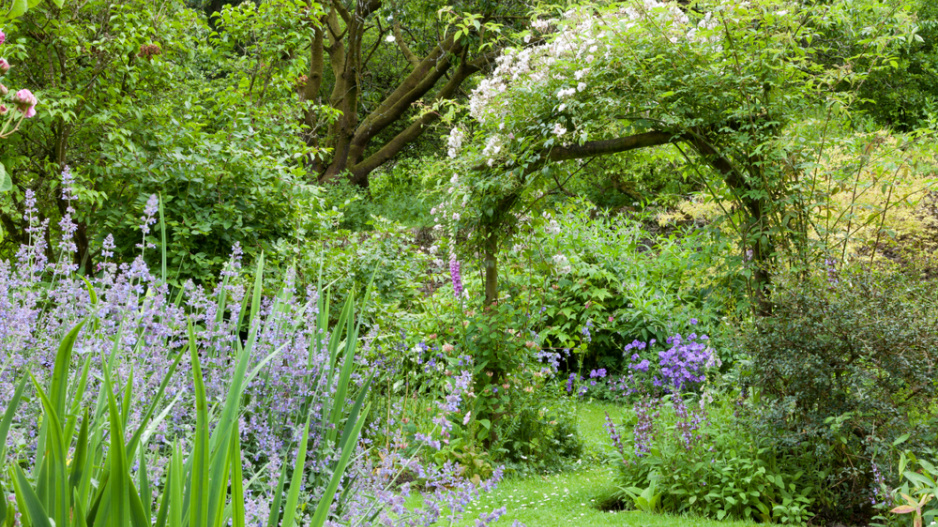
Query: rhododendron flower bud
x=4 y=66
x=3 y=109
x=25 y=102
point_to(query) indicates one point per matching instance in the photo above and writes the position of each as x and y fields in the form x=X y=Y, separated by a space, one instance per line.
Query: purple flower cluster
x=586 y=331
x=646 y=412
x=688 y=421
x=685 y=363
x=597 y=374
x=682 y=366
x=137 y=324
x=446 y=494
x=614 y=435
x=456 y=277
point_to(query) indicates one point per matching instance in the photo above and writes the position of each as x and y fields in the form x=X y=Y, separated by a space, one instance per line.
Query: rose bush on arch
x=718 y=80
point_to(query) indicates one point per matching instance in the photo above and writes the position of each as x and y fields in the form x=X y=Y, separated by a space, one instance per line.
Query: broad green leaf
x=6 y=182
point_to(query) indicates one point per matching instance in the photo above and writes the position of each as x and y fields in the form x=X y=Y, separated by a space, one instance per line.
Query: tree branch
x=361 y=170
x=414 y=60
x=612 y=146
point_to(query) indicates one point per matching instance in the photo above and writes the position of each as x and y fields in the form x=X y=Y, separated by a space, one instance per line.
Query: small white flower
x=581 y=86
x=389 y=38
x=562 y=264
x=562 y=107
x=455 y=216
x=553 y=227
x=559 y=130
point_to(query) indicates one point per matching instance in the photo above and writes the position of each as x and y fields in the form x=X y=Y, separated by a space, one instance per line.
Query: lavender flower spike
x=456 y=277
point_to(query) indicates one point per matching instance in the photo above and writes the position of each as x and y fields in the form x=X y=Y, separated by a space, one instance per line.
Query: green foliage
x=94 y=484
x=725 y=473
x=902 y=93
x=844 y=365
x=222 y=183
x=918 y=487
x=386 y=257
x=586 y=265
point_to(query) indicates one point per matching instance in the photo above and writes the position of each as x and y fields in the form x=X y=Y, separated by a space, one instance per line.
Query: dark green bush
x=845 y=366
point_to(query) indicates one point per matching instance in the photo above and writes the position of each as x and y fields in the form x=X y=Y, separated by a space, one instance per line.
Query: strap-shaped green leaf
x=237 y=489
x=325 y=503
x=56 y=501
x=8 y=417
x=118 y=483
x=33 y=507
x=60 y=372
x=76 y=472
x=273 y=519
x=176 y=504
x=289 y=509
x=3 y=506
x=199 y=481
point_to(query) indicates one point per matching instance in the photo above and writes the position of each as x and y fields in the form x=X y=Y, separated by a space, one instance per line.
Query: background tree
x=635 y=76
x=386 y=70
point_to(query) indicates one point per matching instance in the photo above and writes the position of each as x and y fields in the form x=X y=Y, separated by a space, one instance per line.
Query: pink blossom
x=25 y=102
x=3 y=37
x=4 y=66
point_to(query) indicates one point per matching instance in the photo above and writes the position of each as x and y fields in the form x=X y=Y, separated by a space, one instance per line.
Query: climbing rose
x=3 y=37
x=25 y=102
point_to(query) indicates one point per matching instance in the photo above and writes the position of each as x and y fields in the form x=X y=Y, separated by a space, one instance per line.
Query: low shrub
x=689 y=454
x=844 y=367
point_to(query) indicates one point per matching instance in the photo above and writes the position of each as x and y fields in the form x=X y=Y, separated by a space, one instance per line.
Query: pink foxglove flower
x=25 y=102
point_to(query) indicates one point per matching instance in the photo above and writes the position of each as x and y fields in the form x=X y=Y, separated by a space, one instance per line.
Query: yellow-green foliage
x=864 y=190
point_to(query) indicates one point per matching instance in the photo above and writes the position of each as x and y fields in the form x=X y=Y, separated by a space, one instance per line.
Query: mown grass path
x=571 y=498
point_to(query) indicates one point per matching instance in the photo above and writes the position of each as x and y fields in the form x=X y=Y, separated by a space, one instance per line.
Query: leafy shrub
x=916 y=492
x=691 y=455
x=385 y=258
x=844 y=365
x=629 y=283
x=512 y=412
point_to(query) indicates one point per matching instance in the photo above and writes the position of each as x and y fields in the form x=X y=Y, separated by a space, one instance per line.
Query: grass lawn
x=571 y=498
